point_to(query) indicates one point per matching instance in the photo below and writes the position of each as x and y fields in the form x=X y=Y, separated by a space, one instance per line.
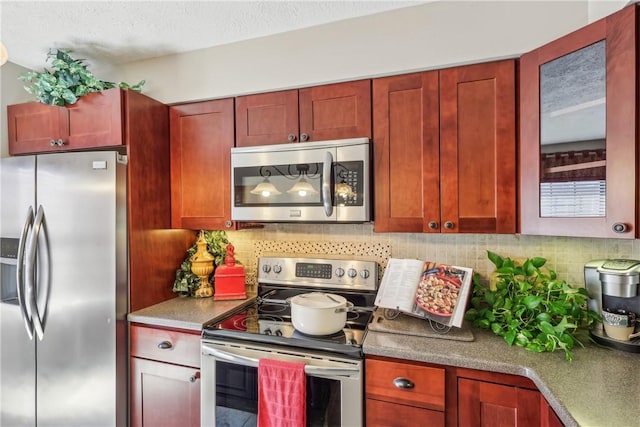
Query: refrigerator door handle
x=39 y=290
x=20 y=282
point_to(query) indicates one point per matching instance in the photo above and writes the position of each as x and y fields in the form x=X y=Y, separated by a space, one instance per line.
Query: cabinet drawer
x=164 y=345
x=428 y=383
x=385 y=414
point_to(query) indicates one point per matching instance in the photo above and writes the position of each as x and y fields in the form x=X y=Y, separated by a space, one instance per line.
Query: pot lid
x=319 y=300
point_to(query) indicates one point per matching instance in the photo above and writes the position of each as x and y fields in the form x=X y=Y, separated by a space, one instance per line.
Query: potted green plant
x=531 y=307
x=67 y=80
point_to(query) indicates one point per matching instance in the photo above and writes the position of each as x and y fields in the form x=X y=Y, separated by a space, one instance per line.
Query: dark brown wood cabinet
x=445 y=150
x=201 y=141
x=578 y=132
x=398 y=393
x=334 y=111
x=495 y=399
x=94 y=121
x=165 y=377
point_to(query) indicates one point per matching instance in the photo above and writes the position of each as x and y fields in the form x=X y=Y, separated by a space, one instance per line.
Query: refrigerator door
x=81 y=359
x=17 y=350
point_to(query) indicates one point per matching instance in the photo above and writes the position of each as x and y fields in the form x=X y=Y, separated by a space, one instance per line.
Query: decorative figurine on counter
x=229 y=278
x=202 y=266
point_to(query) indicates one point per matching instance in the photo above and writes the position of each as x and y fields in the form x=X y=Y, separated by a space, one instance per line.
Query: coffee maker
x=613 y=285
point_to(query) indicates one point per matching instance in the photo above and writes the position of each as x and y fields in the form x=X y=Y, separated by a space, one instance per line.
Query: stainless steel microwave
x=325 y=181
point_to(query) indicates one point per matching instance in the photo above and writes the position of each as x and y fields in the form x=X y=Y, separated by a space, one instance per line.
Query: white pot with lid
x=319 y=313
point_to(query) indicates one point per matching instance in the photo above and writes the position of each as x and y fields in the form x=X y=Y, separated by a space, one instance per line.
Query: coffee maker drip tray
x=600 y=337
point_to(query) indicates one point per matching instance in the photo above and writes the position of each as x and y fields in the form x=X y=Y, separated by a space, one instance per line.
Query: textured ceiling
x=108 y=32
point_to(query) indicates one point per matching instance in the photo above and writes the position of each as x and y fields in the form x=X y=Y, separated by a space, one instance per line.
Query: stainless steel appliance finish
x=232 y=347
x=64 y=290
x=325 y=181
x=613 y=284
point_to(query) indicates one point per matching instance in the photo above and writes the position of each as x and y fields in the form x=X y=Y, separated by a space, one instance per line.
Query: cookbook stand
x=437 y=327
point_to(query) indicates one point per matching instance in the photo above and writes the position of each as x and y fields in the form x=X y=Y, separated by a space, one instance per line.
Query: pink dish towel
x=282 y=394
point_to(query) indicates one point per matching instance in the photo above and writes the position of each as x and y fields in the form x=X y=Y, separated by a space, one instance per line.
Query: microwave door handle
x=248 y=361
x=326 y=184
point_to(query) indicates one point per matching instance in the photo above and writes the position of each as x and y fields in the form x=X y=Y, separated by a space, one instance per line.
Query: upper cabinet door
x=201 y=142
x=406 y=153
x=478 y=148
x=335 y=111
x=34 y=127
x=578 y=105
x=96 y=120
x=267 y=118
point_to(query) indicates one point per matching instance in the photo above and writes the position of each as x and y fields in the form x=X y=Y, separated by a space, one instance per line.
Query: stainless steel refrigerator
x=64 y=290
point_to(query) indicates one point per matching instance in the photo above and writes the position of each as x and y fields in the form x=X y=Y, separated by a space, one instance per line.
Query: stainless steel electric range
x=232 y=347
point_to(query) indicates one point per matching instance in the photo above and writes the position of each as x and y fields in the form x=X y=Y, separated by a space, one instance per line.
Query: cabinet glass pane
x=572 y=134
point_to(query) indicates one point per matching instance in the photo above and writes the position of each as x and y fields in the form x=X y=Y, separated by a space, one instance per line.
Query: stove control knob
x=339 y=272
x=278 y=333
x=266 y=268
x=364 y=274
x=277 y=269
x=268 y=331
x=352 y=273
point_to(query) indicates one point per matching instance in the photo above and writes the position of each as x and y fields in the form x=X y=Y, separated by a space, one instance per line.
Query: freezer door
x=17 y=350
x=81 y=359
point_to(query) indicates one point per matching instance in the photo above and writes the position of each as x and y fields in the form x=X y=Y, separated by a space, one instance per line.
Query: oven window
x=279 y=185
x=237 y=397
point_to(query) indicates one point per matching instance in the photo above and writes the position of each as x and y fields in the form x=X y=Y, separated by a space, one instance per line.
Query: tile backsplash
x=566 y=255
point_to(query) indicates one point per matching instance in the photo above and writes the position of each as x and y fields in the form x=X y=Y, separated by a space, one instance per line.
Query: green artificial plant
x=67 y=80
x=531 y=307
x=186 y=282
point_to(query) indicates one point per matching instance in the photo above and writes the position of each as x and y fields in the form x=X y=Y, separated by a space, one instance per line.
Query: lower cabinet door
x=385 y=414
x=482 y=403
x=163 y=394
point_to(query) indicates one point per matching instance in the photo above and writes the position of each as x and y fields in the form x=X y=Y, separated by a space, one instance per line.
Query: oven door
x=229 y=394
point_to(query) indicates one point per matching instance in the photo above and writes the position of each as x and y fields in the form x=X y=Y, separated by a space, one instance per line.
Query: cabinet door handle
x=56 y=142
x=404 y=383
x=448 y=225
x=291 y=137
x=433 y=225
x=195 y=377
x=228 y=223
x=304 y=137
x=165 y=345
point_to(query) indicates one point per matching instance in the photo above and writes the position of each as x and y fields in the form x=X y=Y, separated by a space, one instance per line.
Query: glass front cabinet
x=578 y=132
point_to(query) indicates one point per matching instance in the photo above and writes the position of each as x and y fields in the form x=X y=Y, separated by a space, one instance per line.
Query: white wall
x=432 y=35
x=11 y=92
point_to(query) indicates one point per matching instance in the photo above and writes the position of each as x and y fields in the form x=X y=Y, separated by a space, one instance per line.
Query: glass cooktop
x=268 y=321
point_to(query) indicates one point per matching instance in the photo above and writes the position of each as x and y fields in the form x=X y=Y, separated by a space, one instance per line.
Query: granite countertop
x=599 y=388
x=185 y=313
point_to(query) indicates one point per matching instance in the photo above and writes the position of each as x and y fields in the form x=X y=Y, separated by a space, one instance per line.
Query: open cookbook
x=426 y=289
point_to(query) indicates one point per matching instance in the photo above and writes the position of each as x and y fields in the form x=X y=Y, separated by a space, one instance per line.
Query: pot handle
x=347 y=308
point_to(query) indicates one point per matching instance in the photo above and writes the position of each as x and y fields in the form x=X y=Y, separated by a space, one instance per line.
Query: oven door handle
x=248 y=361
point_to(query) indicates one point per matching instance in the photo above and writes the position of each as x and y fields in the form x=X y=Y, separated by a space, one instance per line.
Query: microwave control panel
x=349 y=187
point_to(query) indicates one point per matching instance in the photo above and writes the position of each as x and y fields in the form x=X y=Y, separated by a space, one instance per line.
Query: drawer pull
x=403 y=383
x=195 y=377
x=165 y=345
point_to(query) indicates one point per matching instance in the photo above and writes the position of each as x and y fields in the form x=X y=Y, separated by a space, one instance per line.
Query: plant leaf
x=495 y=259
